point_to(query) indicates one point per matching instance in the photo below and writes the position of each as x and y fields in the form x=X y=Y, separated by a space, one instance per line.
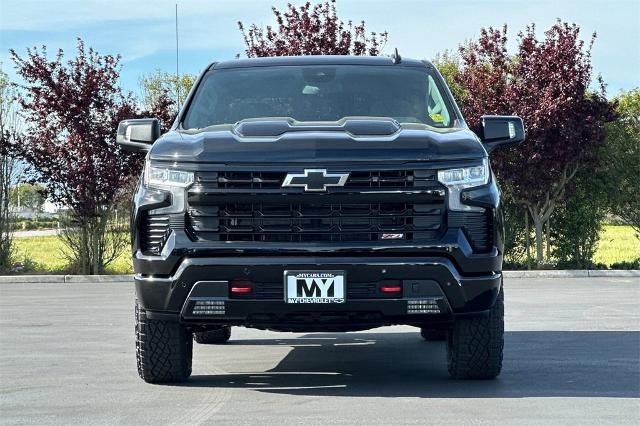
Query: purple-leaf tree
x=71 y=110
x=311 y=30
x=546 y=82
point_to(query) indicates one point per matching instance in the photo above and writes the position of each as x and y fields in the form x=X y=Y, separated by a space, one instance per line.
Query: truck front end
x=319 y=194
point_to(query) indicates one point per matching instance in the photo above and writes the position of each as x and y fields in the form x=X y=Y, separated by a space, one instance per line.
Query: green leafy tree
x=448 y=63
x=29 y=196
x=622 y=156
x=577 y=220
x=160 y=84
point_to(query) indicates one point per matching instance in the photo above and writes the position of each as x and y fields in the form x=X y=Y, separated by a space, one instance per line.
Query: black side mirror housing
x=137 y=135
x=501 y=130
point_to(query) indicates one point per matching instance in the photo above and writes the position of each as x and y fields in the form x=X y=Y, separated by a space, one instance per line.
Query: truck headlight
x=458 y=179
x=161 y=177
x=169 y=180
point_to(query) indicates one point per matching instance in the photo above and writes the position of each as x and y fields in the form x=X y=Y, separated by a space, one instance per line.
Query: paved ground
x=572 y=356
x=36 y=233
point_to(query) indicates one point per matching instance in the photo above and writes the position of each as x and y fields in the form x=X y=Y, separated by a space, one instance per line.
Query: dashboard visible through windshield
x=320 y=93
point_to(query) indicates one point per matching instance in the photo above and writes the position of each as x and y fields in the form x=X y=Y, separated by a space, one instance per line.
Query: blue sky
x=143 y=31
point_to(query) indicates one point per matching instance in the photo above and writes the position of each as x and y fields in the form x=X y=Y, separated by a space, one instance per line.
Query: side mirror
x=501 y=130
x=138 y=135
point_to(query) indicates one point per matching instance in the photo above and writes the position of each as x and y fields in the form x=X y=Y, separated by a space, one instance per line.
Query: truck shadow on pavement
x=537 y=364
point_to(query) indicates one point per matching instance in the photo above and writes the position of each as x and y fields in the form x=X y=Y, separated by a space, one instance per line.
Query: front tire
x=218 y=336
x=164 y=349
x=475 y=344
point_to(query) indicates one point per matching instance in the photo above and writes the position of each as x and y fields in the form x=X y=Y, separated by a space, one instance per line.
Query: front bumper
x=449 y=291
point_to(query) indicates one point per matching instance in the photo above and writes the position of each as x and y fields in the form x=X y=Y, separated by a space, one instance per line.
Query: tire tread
x=164 y=349
x=475 y=345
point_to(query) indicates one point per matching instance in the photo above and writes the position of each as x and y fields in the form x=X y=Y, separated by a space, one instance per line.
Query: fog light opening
x=208 y=307
x=423 y=306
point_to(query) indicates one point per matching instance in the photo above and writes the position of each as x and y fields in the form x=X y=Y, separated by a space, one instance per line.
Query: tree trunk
x=538 y=225
x=6 y=171
x=548 y=238
x=541 y=211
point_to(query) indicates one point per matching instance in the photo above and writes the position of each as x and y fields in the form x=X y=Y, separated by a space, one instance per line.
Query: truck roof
x=317 y=60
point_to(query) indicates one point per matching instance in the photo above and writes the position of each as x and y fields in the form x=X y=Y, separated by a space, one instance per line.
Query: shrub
x=622 y=155
x=577 y=222
x=515 y=250
x=634 y=264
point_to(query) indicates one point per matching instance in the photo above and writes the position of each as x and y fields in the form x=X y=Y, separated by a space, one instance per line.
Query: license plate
x=314 y=286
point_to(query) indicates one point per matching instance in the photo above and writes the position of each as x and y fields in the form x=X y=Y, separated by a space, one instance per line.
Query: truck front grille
x=373 y=206
x=309 y=222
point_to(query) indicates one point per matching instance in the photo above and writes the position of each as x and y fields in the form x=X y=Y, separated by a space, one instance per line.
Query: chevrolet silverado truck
x=318 y=193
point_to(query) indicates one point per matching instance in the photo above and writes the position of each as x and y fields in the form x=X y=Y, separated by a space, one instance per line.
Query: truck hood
x=313 y=145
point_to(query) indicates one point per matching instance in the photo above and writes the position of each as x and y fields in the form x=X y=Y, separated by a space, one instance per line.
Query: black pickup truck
x=318 y=193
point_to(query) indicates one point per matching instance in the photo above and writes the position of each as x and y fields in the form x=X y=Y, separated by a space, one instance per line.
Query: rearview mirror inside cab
x=501 y=130
x=138 y=134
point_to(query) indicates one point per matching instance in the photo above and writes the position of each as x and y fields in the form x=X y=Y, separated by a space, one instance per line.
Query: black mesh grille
x=309 y=222
x=155 y=231
x=477 y=226
x=253 y=206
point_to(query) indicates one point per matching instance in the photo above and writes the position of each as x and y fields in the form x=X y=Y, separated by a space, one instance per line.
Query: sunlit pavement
x=572 y=356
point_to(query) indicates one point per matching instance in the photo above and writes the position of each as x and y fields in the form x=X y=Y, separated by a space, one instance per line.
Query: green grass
x=617 y=244
x=45 y=255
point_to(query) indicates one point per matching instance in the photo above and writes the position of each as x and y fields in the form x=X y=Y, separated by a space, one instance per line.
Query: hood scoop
x=355 y=126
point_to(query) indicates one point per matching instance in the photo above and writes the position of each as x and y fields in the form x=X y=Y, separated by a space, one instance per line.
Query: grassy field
x=47 y=256
x=617 y=244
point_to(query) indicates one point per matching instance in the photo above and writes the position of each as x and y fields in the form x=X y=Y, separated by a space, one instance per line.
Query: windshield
x=320 y=93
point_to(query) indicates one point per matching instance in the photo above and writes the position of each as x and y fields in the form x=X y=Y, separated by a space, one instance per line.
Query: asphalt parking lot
x=572 y=356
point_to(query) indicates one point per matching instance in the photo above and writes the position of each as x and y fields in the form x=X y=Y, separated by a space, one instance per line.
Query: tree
x=311 y=30
x=72 y=110
x=546 y=82
x=448 y=63
x=577 y=220
x=622 y=156
x=160 y=84
x=26 y=195
x=8 y=131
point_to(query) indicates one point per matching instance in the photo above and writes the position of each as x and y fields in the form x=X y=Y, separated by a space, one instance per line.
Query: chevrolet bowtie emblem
x=315 y=179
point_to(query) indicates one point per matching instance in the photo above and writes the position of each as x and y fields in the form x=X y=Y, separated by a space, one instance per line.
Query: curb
x=58 y=279
x=97 y=278
x=579 y=273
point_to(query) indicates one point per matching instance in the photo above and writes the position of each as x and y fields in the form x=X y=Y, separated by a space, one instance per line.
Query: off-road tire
x=475 y=344
x=164 y=349
x=218 y=336
x=431 y=335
